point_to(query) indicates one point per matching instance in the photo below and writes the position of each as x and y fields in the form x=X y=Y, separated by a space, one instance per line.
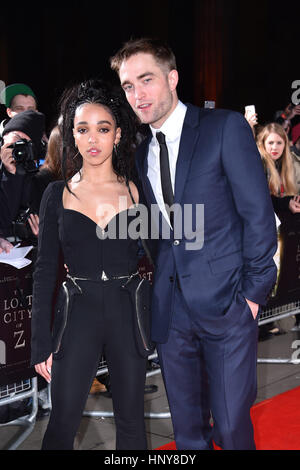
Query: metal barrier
x=277 y=313
x=17 y=392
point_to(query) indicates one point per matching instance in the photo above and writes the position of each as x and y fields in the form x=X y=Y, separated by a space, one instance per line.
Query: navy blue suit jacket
x=218 y=166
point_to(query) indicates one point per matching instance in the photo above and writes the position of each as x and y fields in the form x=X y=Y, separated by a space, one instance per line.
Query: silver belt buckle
x=104 y=277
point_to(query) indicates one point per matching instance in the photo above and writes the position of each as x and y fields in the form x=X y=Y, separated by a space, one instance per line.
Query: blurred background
x=233 y=52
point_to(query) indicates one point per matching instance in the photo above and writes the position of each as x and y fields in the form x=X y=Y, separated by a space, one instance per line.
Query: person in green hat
x=17 y=98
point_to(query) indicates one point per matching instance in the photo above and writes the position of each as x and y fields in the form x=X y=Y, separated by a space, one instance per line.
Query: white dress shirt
x=171 y=128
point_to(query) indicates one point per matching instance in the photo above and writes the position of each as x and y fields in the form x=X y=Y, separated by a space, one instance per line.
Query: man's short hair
x=160 y=50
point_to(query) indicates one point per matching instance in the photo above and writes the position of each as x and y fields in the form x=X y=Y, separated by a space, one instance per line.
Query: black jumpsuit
x=99 y=321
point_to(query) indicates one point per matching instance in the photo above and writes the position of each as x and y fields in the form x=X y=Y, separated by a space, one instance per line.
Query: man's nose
x=139 y=92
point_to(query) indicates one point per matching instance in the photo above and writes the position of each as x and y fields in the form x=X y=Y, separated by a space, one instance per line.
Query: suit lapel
x=188 y=140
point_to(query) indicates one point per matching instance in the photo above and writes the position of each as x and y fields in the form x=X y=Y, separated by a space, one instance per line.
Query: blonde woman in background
x=273 y=145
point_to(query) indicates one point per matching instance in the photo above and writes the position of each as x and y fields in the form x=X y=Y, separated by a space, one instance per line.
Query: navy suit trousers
x=211 y=379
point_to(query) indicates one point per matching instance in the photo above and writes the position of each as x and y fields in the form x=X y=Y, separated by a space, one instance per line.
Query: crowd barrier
x=17 y=379
x=17 y=392
x=271 y=315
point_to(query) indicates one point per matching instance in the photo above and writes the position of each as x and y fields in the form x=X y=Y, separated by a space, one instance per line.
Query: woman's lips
x=93 y=151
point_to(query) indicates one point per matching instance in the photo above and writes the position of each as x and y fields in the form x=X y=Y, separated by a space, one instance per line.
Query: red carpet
x=276 y=423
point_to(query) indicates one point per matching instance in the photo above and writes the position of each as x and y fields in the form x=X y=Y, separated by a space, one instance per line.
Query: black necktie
x=165 y=176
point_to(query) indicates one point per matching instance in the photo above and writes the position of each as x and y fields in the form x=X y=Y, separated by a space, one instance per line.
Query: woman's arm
x=45 y=274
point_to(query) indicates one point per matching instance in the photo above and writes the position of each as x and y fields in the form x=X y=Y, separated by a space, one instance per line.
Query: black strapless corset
x=90 y=250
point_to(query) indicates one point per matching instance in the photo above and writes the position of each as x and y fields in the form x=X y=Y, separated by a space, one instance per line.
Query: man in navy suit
x=206 y=298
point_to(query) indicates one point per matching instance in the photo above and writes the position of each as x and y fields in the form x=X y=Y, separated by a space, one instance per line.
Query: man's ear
x=173 y=79
x=9 y=112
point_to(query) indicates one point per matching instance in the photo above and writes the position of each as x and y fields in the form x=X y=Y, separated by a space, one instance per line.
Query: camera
x=27 y=156
x=21 y=227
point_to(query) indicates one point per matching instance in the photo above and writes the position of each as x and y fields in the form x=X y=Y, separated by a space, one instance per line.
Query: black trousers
x=100 y=321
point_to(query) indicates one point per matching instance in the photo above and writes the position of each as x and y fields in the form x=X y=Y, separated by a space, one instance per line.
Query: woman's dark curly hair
x=113 y=98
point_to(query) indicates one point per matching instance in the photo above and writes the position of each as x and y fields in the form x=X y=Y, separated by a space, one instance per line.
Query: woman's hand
x=294 y=204
x=34 y=223
x=5 y=245
x=251 y=118
x=7 y=158
x=44 y=368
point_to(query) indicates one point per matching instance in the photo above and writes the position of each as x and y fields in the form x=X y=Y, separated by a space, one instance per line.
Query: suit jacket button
x=176 y=242
x=171 y=278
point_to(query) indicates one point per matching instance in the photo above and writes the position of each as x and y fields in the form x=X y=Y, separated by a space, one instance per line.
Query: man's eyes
x=127 y=88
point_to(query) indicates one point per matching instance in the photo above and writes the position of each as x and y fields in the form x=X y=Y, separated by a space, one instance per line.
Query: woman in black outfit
x=93 y=313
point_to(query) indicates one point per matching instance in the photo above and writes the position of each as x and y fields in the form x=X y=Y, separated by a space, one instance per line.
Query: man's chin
x=145 y=119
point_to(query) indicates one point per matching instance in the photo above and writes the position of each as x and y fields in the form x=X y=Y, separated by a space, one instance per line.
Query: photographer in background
x=17 y=98
x=21 y=150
